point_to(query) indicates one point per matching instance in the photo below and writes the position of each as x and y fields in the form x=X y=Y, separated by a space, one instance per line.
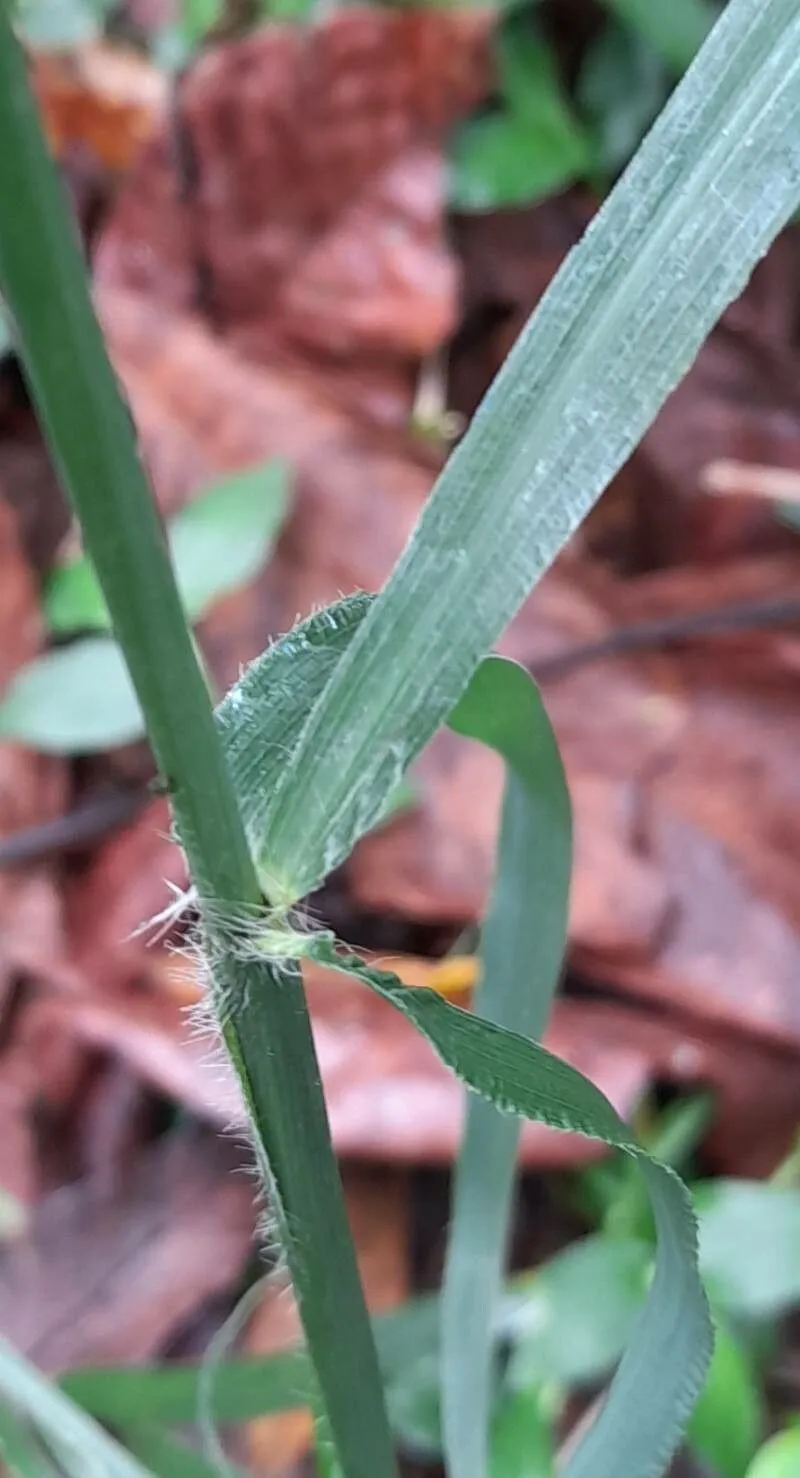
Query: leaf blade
x=522 y=947
x=715 y=180
x=664 y=1365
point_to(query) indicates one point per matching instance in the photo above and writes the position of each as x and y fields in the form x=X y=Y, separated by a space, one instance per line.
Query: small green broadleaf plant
x=79 y=698
x=778 y=1458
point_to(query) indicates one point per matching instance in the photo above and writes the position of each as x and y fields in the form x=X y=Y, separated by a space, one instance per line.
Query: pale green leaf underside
x=663 y=1368
x=711 y=186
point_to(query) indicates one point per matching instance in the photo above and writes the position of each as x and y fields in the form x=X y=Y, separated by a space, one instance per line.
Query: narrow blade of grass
x=242 y=1389
x=522 y=947
x=621 y=323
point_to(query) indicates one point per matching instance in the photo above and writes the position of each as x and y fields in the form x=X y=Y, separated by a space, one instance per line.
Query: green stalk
x=264 y=1019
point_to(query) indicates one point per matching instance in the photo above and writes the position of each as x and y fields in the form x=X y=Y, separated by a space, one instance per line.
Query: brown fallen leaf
x=108 y=904
x=112 y=1277
x=103 y=97
x=317 y=212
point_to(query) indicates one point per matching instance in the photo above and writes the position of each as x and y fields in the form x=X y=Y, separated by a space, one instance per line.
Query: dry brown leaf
x=108 y=905
x=317 y=210
x=101 y=97
x=106 y=1277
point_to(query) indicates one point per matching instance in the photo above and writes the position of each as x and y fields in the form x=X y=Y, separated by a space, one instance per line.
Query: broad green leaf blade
x=504 y=160
x=414 y=1404
x=726 y=1425
x=221 y=539
x=779 y=1458
x=83 y=1449
x=676 y=31
x=218 y=541
x=710 y=188
x=664 y=1365
x=522 y=947
x=74 y=700
x=522 y=1438
x=750 y=1246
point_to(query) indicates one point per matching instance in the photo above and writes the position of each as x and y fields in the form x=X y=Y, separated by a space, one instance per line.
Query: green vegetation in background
x=536 y=141
x=561 y=1329
x=79 y=698
x=532 y=144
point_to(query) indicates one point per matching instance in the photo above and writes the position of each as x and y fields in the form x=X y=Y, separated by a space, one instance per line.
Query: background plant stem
x=264 y=1020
